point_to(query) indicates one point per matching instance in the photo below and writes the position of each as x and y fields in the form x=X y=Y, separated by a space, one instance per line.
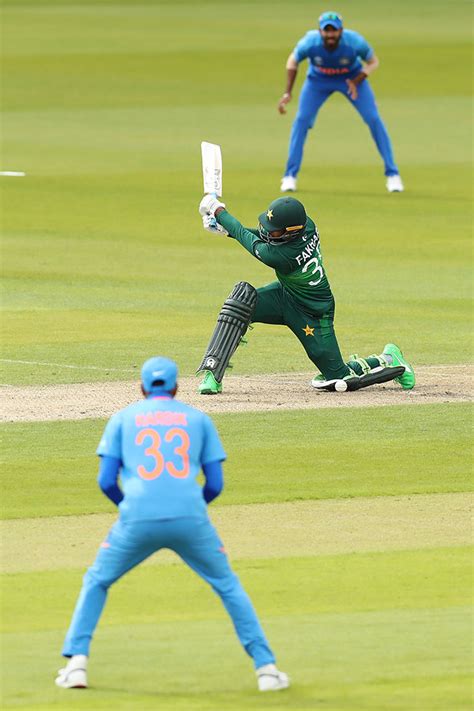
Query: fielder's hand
x=352 y=89
x=352 y=85
x=211 y=225
x=209 y=205
x=285 y=99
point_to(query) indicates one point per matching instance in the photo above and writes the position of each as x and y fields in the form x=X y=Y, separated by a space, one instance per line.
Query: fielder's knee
x=227 y=586
x=93 y=579
x=304 y=123
x=372 y=121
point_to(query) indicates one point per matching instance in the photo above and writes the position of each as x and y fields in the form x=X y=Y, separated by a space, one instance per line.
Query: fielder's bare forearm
x=369 y=66
x=291 y=72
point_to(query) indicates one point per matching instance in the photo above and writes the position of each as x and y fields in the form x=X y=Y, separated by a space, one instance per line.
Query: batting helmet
x=286 y=214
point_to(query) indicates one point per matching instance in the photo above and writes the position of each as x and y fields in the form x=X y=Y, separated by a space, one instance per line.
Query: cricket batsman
x=287 y=240
x=158 y=445
x=341 y=61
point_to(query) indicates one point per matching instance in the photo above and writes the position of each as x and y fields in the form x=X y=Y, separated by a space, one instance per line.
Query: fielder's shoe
x=74 y=675
x=407 y=379
x=394 y=184
x=288 y=184
x=269 y=678
x=209 y=385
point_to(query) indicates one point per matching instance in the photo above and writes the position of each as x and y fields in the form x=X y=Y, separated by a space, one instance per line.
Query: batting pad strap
x=361 y=362
x=232 y=323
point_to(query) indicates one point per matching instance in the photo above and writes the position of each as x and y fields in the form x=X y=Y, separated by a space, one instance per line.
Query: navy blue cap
x=159 y=373
x=332 y=19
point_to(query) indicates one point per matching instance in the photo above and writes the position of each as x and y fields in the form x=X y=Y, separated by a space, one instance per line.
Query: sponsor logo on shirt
x=330 y=71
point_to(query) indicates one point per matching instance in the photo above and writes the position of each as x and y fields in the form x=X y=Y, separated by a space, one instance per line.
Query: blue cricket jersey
x=342 y=61
x=162 y=444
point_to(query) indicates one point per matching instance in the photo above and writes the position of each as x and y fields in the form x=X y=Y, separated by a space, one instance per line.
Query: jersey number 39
x=154 y=451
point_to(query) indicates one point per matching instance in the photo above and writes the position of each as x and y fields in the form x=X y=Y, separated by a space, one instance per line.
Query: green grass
x=104 y=262
x=383 y=451
x=354 y=643
x=104 y=258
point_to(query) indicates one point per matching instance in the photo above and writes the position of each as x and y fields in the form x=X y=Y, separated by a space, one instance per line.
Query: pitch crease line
x=65 y=365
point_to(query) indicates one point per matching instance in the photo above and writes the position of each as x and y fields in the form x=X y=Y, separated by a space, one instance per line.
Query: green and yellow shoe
x=407 y=379
x=209 y=385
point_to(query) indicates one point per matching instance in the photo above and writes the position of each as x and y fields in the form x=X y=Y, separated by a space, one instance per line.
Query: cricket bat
x=212 y=168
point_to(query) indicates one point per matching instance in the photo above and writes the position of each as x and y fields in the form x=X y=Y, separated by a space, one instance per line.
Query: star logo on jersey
x=270 y=214
x=308 y=330
x=344 y=60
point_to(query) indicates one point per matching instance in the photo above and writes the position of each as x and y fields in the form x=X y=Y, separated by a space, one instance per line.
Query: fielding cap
x=332 y=19
x=159 y=373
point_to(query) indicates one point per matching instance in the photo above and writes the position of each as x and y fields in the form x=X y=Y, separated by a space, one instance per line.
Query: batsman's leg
x=373 y=370
x=232 y=323
x=269 y=306
x=318 y=338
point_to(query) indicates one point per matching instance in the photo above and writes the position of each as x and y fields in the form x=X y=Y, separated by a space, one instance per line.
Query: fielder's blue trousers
x=314 y=93
x=196 y=541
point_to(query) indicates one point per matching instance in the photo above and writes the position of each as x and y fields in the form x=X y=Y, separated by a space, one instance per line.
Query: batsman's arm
x=264 y=252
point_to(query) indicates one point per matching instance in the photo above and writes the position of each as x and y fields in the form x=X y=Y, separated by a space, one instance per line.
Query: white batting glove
x=209 y=205
x=211 y=225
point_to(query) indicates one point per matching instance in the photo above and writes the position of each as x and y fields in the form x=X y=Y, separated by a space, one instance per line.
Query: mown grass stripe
x=262 y=531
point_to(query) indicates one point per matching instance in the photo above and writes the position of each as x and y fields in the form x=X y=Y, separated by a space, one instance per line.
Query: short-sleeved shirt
x=298 y=264
x=343 y=61
x=162 y=444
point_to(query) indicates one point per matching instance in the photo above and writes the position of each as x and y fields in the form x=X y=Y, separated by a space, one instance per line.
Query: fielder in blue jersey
x=158 y=446
x=339 y=60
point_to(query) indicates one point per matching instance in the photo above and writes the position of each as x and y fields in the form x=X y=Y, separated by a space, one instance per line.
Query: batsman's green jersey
x=301 y=298
x=298 y=264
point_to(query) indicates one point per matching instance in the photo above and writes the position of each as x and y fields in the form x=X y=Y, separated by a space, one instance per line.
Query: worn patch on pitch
x=244 y=393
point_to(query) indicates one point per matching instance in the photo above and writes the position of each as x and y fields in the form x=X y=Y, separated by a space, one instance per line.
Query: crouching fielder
x=159 y=446
x=288 y=241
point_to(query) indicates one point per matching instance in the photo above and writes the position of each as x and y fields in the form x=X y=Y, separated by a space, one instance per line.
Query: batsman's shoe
x=209 y=385
x=288 y=184
x=394 y=184
x=407 y=379
x=74 y=674
x=269 y=678
x=320 y=383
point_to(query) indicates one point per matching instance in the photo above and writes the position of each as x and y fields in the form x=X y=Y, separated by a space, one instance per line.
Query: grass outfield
x=326 y=454
x=360 y=568
x=105 y=104
x=359 y=631
x=357 y=597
